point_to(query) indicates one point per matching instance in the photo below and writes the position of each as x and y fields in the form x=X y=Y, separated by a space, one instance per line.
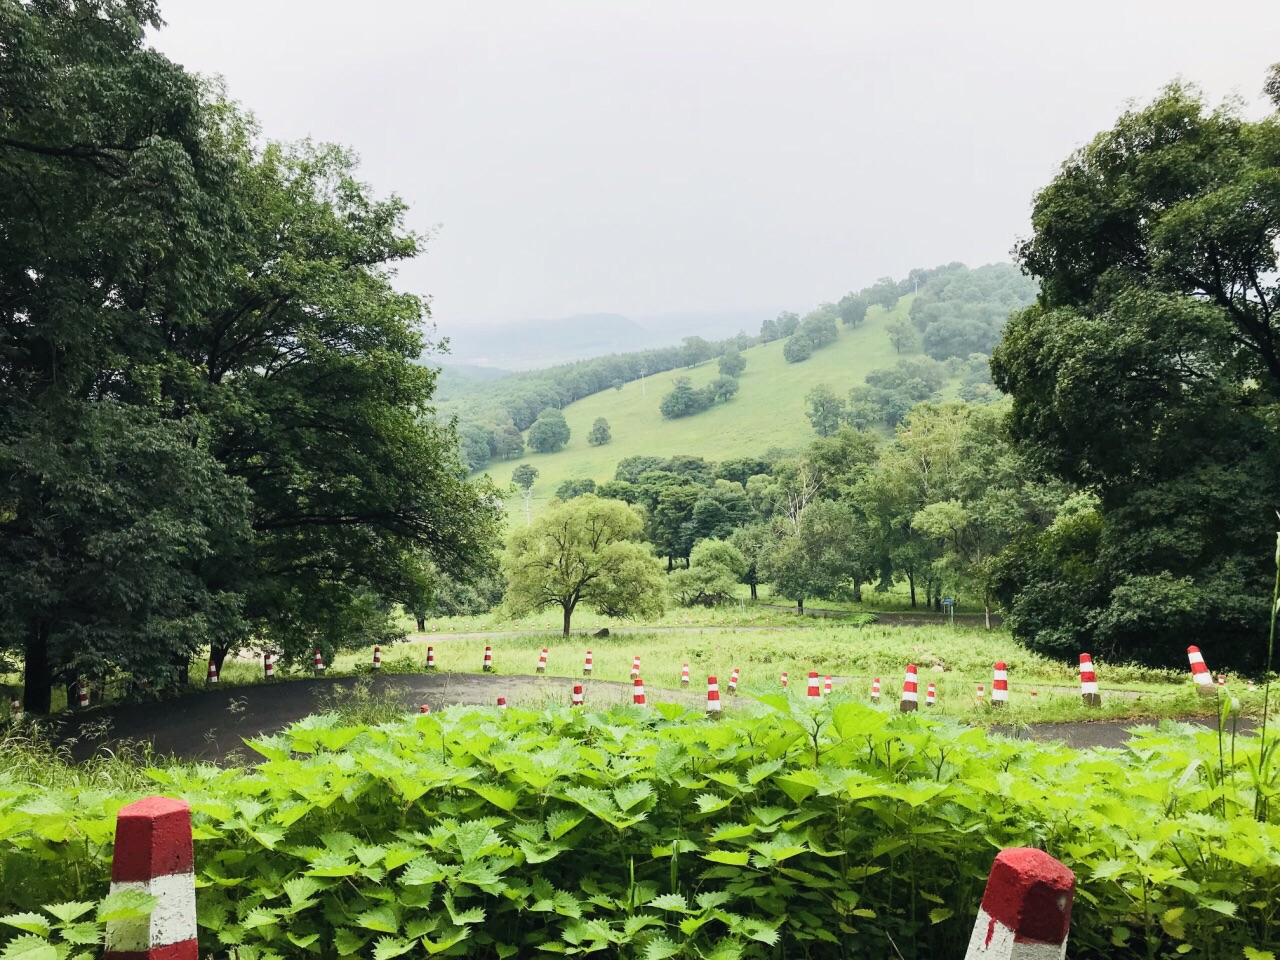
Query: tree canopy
x=587 y=550
x=179 y=299
x=1149 y=373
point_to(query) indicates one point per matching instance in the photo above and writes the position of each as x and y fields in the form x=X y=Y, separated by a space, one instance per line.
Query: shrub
x=798 y=348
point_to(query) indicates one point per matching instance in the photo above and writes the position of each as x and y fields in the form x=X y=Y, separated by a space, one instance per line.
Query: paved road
x=212 y=725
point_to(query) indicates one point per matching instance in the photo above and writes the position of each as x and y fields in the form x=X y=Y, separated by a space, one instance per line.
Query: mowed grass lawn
x=768 y=411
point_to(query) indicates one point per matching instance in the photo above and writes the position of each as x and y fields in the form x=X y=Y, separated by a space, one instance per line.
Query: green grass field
x=956 y=659
x=768 y=412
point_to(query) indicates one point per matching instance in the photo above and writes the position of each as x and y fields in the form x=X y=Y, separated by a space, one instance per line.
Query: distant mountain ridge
x=534 y=344
x=529 y=344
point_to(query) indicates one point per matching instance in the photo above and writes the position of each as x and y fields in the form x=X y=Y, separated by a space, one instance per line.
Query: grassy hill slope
x=769 y=410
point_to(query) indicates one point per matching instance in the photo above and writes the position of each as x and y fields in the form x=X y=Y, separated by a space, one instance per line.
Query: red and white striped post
x=684 y=675
x=826 y=686
x=1200 y=672
x=733 y=681
x=635 y=668
x=319 y=664
x=784 y=681
x=713 y=698
x=1026 y=909
x=502 y=703
x=488 y=660
x=1000 y=685
x=153 y=854
x=425 y=708
x=1089 y=682
x=212 y=676
x=542 y=661
x=377 y=658
x=1222 y=681
x=814 y=690
x=269 y=665
x=577 y=695
x=82 y=693
x=910 y=698
x=587 y=665
x=930 y=696
x=637 y=695
x=431 y=658
x=875 y=690
x=981 y=695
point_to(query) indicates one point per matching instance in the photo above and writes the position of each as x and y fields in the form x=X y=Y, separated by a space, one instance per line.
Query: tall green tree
x=161 y=273
x=1149 y=372
x=587 y=550
x=815 y=559
x=549 y=432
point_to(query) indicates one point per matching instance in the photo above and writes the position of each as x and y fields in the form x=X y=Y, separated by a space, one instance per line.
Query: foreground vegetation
x=822 y=831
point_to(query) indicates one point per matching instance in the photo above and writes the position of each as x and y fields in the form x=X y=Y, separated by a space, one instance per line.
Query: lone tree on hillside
x=586 y=550
x=732 y=363
x=549 y=432
x=523 y=477
x=600 y=434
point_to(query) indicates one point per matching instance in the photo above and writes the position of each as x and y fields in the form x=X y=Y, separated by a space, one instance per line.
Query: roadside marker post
x=1089 y=682
x=910 y=698
x=1026 y=908
x=153 y=854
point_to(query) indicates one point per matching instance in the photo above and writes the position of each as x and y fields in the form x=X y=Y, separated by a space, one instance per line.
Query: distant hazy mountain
x=526 y=344
x=530 y=344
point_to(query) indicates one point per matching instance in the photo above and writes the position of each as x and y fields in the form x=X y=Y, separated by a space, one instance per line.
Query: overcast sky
x=643 y=158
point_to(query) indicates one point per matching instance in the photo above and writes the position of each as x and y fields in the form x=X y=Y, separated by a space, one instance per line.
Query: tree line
x=213 y=430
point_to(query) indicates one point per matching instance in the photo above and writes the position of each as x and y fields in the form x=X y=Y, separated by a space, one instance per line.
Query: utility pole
x=527 y=493
x=642 y=372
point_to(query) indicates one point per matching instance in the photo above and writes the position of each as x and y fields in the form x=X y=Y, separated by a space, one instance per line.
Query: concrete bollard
x=910 y=698
x=713 y=698
x=1000 y=685
x=1089 y=682
x=153 y=853
x=1200 y=672
x=1026 y=909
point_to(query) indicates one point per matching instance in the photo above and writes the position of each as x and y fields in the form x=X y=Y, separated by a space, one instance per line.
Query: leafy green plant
x=797 y=829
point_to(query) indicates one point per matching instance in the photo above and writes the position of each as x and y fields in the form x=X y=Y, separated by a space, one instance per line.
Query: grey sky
x=688 y=156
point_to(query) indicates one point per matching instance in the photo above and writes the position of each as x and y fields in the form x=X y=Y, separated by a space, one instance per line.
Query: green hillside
x=769 y=410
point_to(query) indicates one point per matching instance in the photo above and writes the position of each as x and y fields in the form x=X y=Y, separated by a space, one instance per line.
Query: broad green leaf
x=938 y=914
x=29 y=947
x=30 y=922
x=66 y=912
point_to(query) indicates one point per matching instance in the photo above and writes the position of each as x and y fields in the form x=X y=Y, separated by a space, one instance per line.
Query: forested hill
x=954 y=312
x=863 y=364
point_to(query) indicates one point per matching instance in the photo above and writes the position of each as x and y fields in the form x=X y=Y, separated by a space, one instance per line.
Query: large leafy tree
x=1149 y=372
x=587 y=550
x=202 y=351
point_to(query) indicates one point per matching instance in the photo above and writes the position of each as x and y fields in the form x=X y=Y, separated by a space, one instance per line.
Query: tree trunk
x=937 y=600
x=912 y=581
x=670 y=562
x=753 y=591
x=568 y=615
x=218 y=655
x=800 y=608
x=181 y=665
x=422 y=624
x=857 y=590
x=37 y=678
x=986 y=610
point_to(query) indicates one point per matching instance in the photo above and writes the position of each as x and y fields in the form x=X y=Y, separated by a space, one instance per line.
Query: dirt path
x=211 y=725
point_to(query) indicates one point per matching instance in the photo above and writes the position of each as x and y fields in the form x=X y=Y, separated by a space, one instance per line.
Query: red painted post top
x=1030 y=893
x=153 y=839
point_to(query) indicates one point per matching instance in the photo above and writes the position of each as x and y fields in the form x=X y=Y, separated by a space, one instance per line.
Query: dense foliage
x=685 y=399
x=1148 y=374
x=825 y=831
x=962 y=311
x=587 y=550
x=211 y=422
